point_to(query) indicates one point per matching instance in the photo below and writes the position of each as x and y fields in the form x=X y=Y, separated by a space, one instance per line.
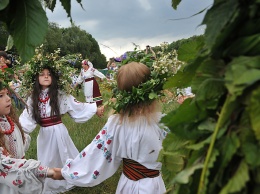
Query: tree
x=27 y=23
x=216 y=135
x=74 y=40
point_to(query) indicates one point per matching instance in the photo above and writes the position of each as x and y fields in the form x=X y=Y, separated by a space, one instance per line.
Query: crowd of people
x=132 y=136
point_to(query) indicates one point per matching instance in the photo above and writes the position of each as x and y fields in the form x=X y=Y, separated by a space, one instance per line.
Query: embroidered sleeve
x=26 y=118
x=25 y=176
x=95 y=163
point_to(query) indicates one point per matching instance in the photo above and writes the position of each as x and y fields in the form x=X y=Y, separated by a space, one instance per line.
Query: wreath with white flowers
x=161 y=69
x=59 y=65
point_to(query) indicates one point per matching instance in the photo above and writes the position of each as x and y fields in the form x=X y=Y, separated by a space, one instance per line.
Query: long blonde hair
x=131 y=75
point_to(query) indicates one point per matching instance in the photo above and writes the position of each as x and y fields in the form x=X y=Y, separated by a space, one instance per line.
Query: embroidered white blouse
x=139 y=140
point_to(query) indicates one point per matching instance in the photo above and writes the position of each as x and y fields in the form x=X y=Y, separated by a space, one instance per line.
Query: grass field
x=82 y=134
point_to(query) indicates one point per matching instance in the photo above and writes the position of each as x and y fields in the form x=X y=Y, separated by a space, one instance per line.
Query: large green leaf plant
x=216 y=134
x=27 y=23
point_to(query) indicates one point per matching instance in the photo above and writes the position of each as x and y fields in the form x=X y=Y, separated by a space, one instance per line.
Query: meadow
x=83 y=133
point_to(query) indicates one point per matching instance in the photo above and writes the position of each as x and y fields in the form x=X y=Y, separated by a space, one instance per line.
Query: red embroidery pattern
x=44 y=100
x=103 y=140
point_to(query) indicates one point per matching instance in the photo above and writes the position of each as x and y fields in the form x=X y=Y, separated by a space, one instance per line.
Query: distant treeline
x=73 y=40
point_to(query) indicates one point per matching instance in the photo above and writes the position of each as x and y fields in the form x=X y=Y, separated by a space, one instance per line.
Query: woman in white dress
x=133 y=136
x=91 y=88
x=17 y=175
x=46 y=105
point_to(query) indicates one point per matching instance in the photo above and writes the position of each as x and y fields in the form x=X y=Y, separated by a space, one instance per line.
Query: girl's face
x=85 y=65
x=5 y=102
x=45 y=78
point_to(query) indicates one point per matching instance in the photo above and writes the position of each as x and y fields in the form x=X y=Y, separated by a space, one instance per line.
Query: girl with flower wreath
x=132 y=136
x=46 y=105
x=17 y=175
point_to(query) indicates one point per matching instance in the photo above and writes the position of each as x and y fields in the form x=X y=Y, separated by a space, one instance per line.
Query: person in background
x=91 y=88
x=112 y=68
x=183 y=94
x=149 y=50
x=133 y=137
x=3 y=60
x=16 y=84
x=47 y=104
x=17 y=175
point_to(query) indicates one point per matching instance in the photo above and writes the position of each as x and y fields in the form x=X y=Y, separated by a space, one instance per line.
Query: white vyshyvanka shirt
x=54 y=145
x=18 y=175
x=138 y=140
x=88 y=86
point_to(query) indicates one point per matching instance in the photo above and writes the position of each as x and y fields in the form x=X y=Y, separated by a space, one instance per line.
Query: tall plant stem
x=225 y=112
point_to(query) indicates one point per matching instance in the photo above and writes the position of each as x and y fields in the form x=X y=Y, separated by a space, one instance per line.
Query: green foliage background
x=216 y=135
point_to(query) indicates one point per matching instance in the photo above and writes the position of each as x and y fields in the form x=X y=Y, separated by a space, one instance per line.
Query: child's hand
x=55 y=174
x=100 y=111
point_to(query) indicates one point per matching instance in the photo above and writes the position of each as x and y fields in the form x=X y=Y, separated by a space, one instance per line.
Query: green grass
x=82 y=134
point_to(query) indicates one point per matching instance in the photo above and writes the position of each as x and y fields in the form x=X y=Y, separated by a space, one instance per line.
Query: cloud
x=118 y=23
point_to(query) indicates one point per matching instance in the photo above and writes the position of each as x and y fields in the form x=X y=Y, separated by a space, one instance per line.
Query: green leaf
x=241 y=73
x=251 y=152
x=188 y=51
x=153 y=95
x=175 y=3
x=10 y=42
x=187 y=112
x=50 y=4
x=244 y=46
x=199 y=145
x=212 y=160
x=209 y=93
x=173 y=161
x=238 y=181
x=3 y=4
x=208 y=68
x=182 y=79
x=184 y=176
x=229 y=147
x=254 y=112
x=67 y=6
x=174 y=143
x=225 y=11
x=30 y=26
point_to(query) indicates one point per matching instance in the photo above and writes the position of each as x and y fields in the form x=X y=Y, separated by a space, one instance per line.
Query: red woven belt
x=136 y=171
x=86 y=80
x=50 y=121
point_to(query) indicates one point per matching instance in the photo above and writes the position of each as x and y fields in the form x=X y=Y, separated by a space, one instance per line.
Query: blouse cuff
x=42 y=171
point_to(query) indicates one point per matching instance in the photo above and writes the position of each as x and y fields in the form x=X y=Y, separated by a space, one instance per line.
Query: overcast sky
x=117 y=24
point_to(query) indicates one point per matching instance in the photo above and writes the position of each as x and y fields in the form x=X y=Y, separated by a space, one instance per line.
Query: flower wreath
x=59 y=65
x=5 y=78
x=161 y=69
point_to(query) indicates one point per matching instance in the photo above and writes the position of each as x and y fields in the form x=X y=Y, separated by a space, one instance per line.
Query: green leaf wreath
x=59 y=65
x=161 y=69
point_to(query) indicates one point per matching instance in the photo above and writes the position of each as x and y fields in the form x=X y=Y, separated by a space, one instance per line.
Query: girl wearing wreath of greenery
x=46 y=105
x=17 y=175
x=133 y=137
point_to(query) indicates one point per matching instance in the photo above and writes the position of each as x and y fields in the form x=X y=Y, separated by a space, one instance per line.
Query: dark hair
x=3 y=54
x=53 y=94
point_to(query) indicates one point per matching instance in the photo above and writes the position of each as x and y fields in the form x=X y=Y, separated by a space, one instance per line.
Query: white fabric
x=54 y=145
x=88 y=86
x=21 y=176
x=16 y=84
x=138 y=140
